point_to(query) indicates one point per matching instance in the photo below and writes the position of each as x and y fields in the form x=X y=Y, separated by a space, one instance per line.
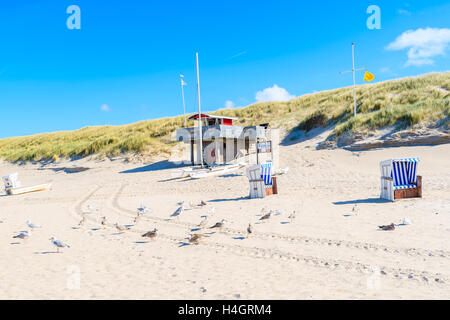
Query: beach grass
x=401 y=103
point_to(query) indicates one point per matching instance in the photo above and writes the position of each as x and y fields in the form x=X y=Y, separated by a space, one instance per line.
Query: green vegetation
x=402 y=103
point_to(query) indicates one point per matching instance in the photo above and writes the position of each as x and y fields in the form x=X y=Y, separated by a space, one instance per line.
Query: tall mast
x=199 y=113
x=354 y=78
x=184 y=105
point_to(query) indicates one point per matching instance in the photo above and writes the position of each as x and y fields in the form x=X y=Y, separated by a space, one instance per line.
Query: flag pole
x=184 y=105
x=354 y=78
x=199 y=113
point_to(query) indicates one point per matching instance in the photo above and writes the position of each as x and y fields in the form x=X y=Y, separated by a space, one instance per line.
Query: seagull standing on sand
x=82 y=221
x=355 y=209
x=23 y=235
x=92 y=208
x=203 y=203
x=178 y=212
x=389 y=227
x=104 y=222
x=203 y=222
x=151 y=234
x=136 y=220
x=120 y=228
x=143 y=209
x=249 y=229
x=32 y=225
x=218 y=225
x=195 y=238
x=267 y=216
x=58 y=244
x=180 y=203
x=292 y=216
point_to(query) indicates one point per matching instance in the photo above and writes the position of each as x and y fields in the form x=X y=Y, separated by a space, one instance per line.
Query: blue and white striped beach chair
x=399 y=179
x=266 y=174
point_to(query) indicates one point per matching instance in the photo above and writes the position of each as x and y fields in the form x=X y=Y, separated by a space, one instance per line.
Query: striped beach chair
x=399 y=179
x=261 y=180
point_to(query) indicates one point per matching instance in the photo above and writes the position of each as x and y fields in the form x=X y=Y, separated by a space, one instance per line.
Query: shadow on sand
x=157 y=166
x=229 y=199
x=368 y=200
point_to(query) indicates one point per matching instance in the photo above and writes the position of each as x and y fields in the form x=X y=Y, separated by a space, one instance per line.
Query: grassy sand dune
x=401 y=103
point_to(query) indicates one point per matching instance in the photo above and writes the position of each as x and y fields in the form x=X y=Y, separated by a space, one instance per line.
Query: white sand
x=322 y=255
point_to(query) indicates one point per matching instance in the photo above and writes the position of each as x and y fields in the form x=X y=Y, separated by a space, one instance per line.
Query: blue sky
x=123 y=65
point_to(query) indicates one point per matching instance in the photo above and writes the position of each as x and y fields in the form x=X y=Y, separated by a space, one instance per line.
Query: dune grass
x=402 y=103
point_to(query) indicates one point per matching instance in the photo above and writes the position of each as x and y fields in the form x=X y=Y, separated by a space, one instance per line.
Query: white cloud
x=229 y=104
x=105 y=108
x=274 y=93
x=423 y=44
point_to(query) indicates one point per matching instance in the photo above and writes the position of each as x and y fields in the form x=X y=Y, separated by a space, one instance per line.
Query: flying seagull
x=151 y=234
x=32 y=225
x=389 y=227
x=58 y=243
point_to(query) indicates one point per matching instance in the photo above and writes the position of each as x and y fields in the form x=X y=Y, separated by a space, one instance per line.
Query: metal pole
x=199 y=113
x=184 y=105
x=354 y=79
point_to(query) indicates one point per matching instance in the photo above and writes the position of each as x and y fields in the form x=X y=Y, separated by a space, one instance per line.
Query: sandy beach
x=327 y=252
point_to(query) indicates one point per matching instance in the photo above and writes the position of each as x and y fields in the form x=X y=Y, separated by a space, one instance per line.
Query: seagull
x=292 y=216
x=143 y=209
x=104 y=222
x=203 y=203
x=211 y=210
x=58 y=244
x=180 y=203
x=192 y=205
x=203 y=222
x=278 y=212
x=82 y=221
x=389 y=227
x=355 y=209
x=23 y=235
x=267 y=216
x=136 y=220
x=91 y=208
x=32 y=225
x=178 y=212
x=150 y=234
x=218 y=225
x=249 y=229
x=283 y=170
x=195 y=238
x=120 y=228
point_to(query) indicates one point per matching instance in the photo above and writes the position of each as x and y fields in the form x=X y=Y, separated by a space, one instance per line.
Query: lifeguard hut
x=223 y=142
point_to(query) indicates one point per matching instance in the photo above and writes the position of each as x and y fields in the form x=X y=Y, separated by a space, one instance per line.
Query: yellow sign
x=368 y=77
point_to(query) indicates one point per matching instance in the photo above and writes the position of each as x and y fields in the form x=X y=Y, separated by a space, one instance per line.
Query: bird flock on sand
x=24 y=235
x=194 y=236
